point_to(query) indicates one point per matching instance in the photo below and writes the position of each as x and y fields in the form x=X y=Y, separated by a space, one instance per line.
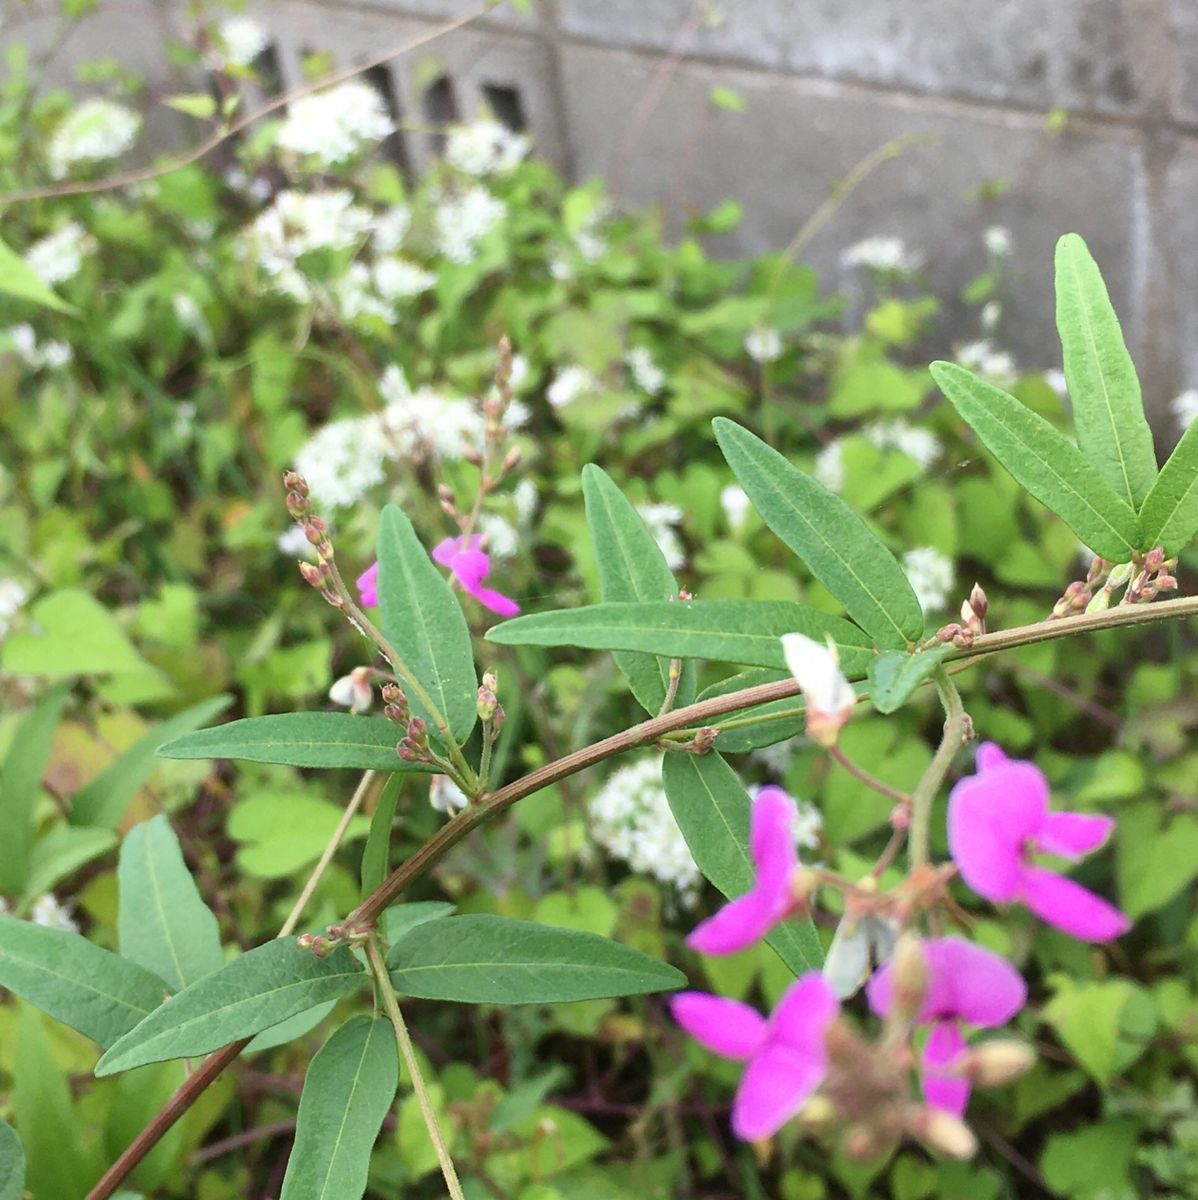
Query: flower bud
x=491 y=681
x=997 y=1063
x=312 y=574
x=978 y=601
x=945 y=1134
x=498 y=718
x=511 y=460
x=418 y=733
x=293 y=481
x=353 y=691
x=910 y=977
x=1154 y=559
x=829 y=696
x=486 y=703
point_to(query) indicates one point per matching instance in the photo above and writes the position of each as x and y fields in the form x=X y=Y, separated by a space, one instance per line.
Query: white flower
x=463 y=221
x=918 y=444
x=735 y=504
x=930 y=575
x=390 y=229
x=353 y=691
x=242 y=39
x=58 y=257
x=188 y=314
x=829 y=695
x=94 y=131
x=397 y=278
x=341 y=462
x=524 y=497
x=354 y=296
x=12 y=598
x=777 y=758
x=661 y=520
x=881 y=254
x=48 y=911
x=998 y=241
x=503 y=541
x=485 y=148
x=808 y=824
x=630 y=818
x=336 y=125
x=829 y=467
x=519 y=376
x=1055 y=378
x=1185 y=408
x=570 y=384
x=56 y=354
x=445 y=795
x=857 y=946
x=23 y=342
x=646 y=374
x=986 y=359
x=426 y=420
x=294 y=543
x=588 y=238
x=990 y=315
x=763 y=344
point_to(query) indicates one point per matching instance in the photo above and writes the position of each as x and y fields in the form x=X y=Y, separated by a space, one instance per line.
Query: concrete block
x=1183 y=30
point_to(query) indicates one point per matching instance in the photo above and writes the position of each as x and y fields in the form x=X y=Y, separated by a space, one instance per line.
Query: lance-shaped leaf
x=377 y=852
x=632 y=567
x=75 y=981
x=834 y=542
x=348 y=1089
x=261 y=988
x=313 y=739
x=1045 y=462
x=738 y=631
x=711 y=807
x=12 y=1164
x=1112 y=431
x=164 y=924
x=493 y=960
x=20 y=782
x=894 y=676
x=424 y=622
x=1169 y=517
x=103 y=801
x=779 y=719
x=292 y=1028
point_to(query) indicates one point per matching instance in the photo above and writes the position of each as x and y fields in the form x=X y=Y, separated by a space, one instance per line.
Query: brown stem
x=871 y=781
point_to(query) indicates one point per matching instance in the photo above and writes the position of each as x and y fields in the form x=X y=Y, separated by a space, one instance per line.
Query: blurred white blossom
x=22 y=341
x=49 y=911
x=763 y=344
x=503 y=540
x=1055 y=378
x=336 y=125
x=426 y=419
x=646 y=374
x=662 y=520
x=353 y=691
x=462 y=221
x=918 y=444
x=485 y=147
x=987 y=359
x=398 y=278
x=571 y=383
x=930 y=575
x=58 y=256
x=390 y=229
x=881 y=253
x=1185 y=408
x=829 y=466
x=242 y=39
x=12 y=599
x=525 y=497
x=342 y=461
x=445 y=795
x=735 y=503
x=998 y=240
x=294 y=543
x=92 y=132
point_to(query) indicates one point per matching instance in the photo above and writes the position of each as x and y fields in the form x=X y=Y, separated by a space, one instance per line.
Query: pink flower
x=965 y=983
x=772 y=846
x=998 y=818
x=469 y=565
x=785 y=1055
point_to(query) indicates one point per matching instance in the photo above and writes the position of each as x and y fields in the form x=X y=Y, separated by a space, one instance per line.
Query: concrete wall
x=826 y=82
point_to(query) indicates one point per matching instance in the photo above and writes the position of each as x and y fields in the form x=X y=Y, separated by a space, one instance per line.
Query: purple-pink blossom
x=966 y=983
x=785 y=1055
x=998 y=818
x=744 y=920
x=368 y=586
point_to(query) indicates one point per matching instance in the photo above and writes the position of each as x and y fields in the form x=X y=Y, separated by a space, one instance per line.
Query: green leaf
x=400 y=918
x=347 y=1092
x=632 y=567
x=711 y=807
x=424 y=622
x=828 y=535
x=12 y=1164
x=1046 y=463
x=164 y=924
x=294 y=1027
x=18 y=278
x=1112 y=431
x=261 y=988
x=780 y=719
x=894 y=676
x=493 y=960
x=200 y=105
x=20 y=783
x=281 y=832
x=60 y=852
x=1087 y=1017
x=315 y=739
x=738 y=631
x=377 y=852
x=1169 y=517
x=103 y=802
x=75 y=981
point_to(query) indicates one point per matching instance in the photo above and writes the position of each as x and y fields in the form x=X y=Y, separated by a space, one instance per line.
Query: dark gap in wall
x=440 y=109
x=269 y=71
x=394 y=147
x=506 y=105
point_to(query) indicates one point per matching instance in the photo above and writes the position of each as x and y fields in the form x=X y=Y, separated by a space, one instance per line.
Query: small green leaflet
x=20 y=783
x=399 y=919
x=163 y=923
x=308 y=739
x=348 y=1090
x=19 y=279
x=780 y=719
x=834 y=542
x=632 y=567
x=1169 y=517
x=12 y=1164
x=75 y=981
x=60 y=852
x=1045 y=462
x=493 y=960
x=894 y=676
x=1112 y=431
x=738 y=631
x=262 y=988
x=378 y=842
x=424 y=622
x=711 y=807
x=103 y=801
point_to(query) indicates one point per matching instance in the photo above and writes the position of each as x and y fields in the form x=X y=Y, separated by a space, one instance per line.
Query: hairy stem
x=933 y=777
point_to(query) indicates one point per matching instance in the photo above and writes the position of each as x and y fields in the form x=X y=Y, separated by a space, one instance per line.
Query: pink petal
x=368 y=586
x=471 y=567
x=1071 y=907
x=941 y=1090
x=497 y=602
x=1073 y=834
x=772 y=843
x=972 y=983
x=801 y=1018
x=725 y=1027
x=443 y=551
x=990 y=755
x=775 y=1085
x=737 y=925
x=990 y=818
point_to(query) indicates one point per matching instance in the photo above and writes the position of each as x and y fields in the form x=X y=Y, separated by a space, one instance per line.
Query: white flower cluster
x=930 y=575
x=242 y=40
x=1185 y=408
x=589 y=239
x=342 y=461
x=631 y=819
x=1055 y=378
x=735 y=503
x=998 y=241
x=829 y=466
x=485 y=147
x=425 y=419
x=888 y=254
x=776 y=759
x=809 y=821
x=335 y=126
x=570 y=384
x=22 y=341
x=763 y=344
x=12 y=599
x=445 y=795
x=918 y=444
x=503 y=539
x=94 y=131
x=378 y=289
x=293 y=542
x=50 y=911
x=525 y=497
x=662 y=520
x=645 y=372
x=986 y=359
x=58 y=256
x=462 y=221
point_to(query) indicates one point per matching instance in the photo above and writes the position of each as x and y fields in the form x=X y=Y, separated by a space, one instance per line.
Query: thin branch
x=933 y=777
x=870 y=781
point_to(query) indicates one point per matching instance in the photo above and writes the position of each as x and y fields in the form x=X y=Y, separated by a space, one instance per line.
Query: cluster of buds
x=1078 y=595
x=298 y=503
x=489 y=708
x=414 y=745
x=395 y=704
x=1155 y=575
x=316 y=943
x=973 y=620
